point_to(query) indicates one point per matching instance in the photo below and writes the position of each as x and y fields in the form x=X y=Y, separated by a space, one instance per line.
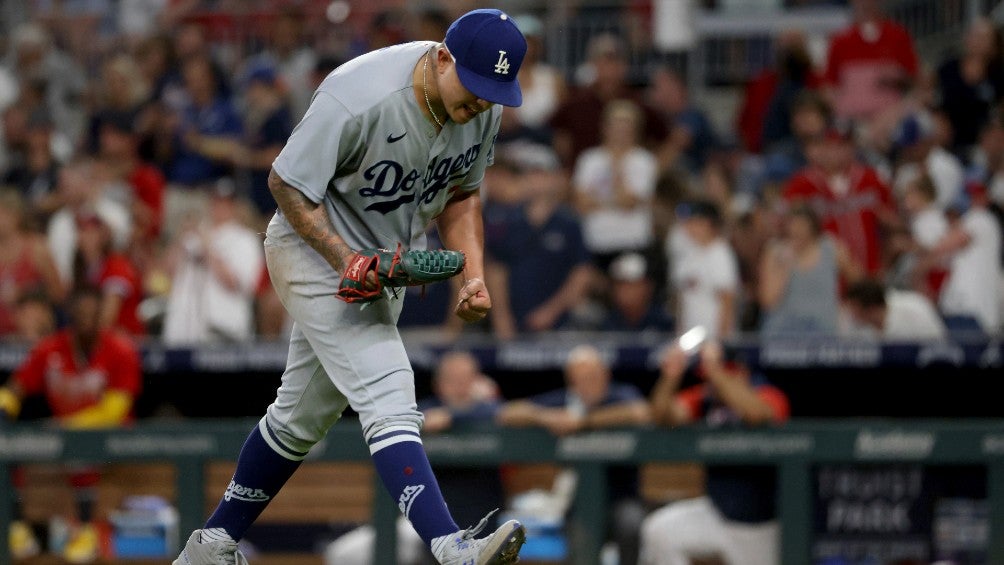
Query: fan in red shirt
x=118 y=144
x=97 y=263
x=871 y=64
x=89 y=378
x=119 y=151
x=849 y=197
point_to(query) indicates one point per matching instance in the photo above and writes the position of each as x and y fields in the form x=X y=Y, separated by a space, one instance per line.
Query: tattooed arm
x=310 y=221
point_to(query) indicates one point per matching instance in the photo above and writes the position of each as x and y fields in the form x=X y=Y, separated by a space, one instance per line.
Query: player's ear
x=443 y=58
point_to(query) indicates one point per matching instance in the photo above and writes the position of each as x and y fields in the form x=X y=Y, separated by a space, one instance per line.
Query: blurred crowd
x=859 y=194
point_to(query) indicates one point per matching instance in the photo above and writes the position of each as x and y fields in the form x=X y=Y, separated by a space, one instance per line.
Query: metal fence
x=732 y=46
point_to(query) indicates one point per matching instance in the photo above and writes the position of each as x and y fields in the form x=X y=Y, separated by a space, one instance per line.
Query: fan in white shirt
x=973 y=245
x=705 y=273
x=895 y=315
x=614 y=184
x=927 y=220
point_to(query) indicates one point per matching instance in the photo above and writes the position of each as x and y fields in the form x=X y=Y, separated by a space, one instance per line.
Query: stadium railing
x=548 y=351
x=794 y=449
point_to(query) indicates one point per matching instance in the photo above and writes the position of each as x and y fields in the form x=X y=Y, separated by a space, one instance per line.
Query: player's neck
x=426 y=89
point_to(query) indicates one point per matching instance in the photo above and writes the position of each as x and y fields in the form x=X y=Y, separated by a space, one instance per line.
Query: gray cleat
x=210 y=553
x=500 y=548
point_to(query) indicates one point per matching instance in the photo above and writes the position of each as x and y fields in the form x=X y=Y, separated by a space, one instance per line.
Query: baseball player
x=393 y=140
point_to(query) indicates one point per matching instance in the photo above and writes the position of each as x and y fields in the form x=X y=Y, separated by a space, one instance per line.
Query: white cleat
x=209 y=553
x=501 y=547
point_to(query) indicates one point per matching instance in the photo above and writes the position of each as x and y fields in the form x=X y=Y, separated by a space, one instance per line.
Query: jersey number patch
x=502 y=67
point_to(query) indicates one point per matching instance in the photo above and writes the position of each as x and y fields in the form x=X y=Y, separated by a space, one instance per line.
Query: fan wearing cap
x=393 y=141
x=920 y=152
x=632 y=294
x=97 y=262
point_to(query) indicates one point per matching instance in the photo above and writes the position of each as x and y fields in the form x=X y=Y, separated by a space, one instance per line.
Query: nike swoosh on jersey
x=391 y=138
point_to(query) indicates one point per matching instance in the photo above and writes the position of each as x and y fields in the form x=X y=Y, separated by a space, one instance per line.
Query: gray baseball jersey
x=365 y=149
x=367 y=152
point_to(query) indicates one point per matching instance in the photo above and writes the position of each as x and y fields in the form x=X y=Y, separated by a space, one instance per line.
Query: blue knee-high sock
x=404 y=468
x=260 y=474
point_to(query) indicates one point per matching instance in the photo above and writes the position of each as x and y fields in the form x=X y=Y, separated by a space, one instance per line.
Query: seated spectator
x=892 y=314
x=13 y=124
x=692 y=139
x=753 y=231
x=121 y=90
x=614 y=185
x=970 y=85
x=90 y=378
x=215 y=272
x=988 y=163
x=205 y=121
x=35 y=169
x=35 y=57
x=736 y=520
x=269 y=122
x=768 y=100
x=537 y=264
x=97 y=263
x=871 y=64
x=810 y=115
x=137 y=21
x=800 y=278
x=591 y=401
x=289 y=53
x=82 y=28
x=574 y=123
x=82 y=194
x=971 y=297
x=35 y=317
x=26 y=267
x=705 y=275
x=928 y=225
x=155 y=58
x=987 y=160
x=144 y=184
x=462 y=396
x=850 y=199
x=632 y=297
x=919 y=154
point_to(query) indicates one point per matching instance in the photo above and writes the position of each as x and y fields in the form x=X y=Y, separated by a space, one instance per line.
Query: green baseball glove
x=394 y=269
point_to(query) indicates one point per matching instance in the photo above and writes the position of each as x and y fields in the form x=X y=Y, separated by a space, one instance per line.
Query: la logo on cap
x=502 y=67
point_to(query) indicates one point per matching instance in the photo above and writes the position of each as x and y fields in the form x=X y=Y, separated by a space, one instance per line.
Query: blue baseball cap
x=488 y=49
x=260 y=72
